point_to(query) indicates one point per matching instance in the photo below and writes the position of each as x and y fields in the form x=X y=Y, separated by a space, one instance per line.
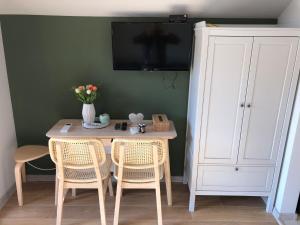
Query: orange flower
x=94 y=88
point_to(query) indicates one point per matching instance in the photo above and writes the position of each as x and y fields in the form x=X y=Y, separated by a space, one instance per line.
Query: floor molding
x=282 y=217
x=276 y=215
x=175 y=179
x=7 y=195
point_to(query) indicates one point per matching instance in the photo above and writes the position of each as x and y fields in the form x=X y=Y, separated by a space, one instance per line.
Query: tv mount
x=178 y=18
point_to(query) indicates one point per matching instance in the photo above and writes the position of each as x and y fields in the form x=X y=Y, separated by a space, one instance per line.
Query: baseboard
x=40 y=178
x=7 y=195
x=175 y=179
x=281 y=217
x=265 y=199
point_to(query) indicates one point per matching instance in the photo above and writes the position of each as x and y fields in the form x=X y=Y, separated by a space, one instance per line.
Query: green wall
x=47 y=55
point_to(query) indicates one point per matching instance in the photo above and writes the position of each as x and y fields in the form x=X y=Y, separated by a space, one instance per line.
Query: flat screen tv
x=151 y=46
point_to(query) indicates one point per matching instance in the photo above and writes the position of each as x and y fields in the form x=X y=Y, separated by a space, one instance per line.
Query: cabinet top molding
x=246 y=30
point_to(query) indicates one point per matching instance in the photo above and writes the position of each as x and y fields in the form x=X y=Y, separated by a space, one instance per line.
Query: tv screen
x=151 y=46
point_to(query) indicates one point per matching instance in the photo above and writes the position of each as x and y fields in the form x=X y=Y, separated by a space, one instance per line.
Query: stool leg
x=18 y=177
x=24 y=173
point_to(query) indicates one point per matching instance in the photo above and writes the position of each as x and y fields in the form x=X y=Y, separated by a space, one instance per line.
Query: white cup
x=134 y=130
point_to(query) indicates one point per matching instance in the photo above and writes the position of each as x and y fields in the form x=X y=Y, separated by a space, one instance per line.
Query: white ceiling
x=195 y=8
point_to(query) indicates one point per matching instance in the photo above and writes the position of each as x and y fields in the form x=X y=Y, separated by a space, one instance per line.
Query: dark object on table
x=124 y=126
x=142 y=127
x=117 y=126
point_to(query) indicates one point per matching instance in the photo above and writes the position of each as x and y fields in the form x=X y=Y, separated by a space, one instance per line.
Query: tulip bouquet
x=86 y=94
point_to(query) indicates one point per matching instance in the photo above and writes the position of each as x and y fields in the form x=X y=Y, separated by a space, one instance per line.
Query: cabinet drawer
x=234 y=178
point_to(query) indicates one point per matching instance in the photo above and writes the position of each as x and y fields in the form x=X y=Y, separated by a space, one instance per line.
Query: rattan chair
x=81 y=163
x=138 y=165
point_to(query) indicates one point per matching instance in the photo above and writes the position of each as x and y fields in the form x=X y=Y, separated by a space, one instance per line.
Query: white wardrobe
x=242 y=87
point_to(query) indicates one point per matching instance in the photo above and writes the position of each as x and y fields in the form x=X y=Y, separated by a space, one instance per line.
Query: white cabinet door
x=270 y=76
x=225 y=90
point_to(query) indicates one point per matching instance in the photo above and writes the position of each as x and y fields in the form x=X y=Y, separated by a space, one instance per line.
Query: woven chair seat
x=87 y=175
x=138 y=175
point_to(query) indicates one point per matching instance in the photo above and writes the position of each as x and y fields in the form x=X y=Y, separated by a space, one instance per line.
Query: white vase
x=88 y=113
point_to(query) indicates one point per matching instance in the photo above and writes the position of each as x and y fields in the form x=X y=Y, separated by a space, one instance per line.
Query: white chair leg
x=110 y=188
x=102 y=205
x=24 y=173
x=118 y=201
x=158 y=204
x=60 y=202
x=18 y=177
x=157 y=186
x=56 y=189
x=119 y=187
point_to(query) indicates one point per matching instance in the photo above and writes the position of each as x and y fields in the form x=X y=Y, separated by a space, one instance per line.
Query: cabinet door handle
x=236 y=169
x=242 y=105
x=249 y=105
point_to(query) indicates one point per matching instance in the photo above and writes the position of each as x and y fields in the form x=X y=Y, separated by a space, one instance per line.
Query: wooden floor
x=138 y=207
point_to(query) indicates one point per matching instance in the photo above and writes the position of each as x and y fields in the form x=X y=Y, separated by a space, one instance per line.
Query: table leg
x=73 y=192
x=168 y=174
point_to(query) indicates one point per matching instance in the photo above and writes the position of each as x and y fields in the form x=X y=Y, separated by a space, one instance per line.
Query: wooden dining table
x=107 y=134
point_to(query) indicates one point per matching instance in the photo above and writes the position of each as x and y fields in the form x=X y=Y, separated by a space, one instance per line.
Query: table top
x=77 y=131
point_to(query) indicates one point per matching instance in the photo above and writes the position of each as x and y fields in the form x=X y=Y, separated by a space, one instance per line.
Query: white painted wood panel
x=225 y=90
x=271 y=71
x=270 y=87
x=234 y=178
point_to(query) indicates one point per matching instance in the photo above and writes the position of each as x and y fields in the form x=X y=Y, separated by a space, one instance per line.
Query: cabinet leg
x=192 y=202
x=184 y=181
x=270 y=205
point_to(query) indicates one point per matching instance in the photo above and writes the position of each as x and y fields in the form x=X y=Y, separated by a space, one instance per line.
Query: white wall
x=289 y=186
x=8 y=142
x=290 y=17
x=199 y=8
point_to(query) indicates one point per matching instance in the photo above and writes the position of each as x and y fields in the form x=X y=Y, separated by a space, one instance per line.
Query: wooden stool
x=25 y=154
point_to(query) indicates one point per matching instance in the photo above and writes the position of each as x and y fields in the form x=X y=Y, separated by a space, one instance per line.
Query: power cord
x=171 y=81
x=39 y=168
